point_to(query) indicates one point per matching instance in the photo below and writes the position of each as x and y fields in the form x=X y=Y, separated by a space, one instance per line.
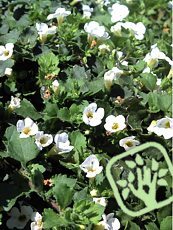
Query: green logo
x=141 y=177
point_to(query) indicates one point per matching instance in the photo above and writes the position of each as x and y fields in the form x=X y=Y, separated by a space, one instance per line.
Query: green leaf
x=64 y=114
x=63 y=190
x=21 y=149
x=166 y=223
x=125 y=193
x=134 y=226
x=5 y=64
x=162 y=182
x=155 y=165
x=52 y=219
x=151 y=226
x=153 y=102
x=162 y=172
x=27 y=110
x=140 y=65
x=87 y=212
x=164 y=212
x=78 y=140
x=165 y=102
x=131 y=177
x=139 y=160
x=130 y=164
x=122 y=183
x=149 y=80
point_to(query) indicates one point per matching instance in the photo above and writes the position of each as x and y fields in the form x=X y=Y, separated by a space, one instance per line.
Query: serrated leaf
x=130 y=164
x=125 y=193
x=166 y=223
x=21 y=149
x=162 y=172
x=122 y=183
x=155 y=165
x=78 y=140
x=139 y=160
x=162 y=182
x=52 y=219
x=149 y=80
x=63 y=190
x=131 y=177
x=27 y=110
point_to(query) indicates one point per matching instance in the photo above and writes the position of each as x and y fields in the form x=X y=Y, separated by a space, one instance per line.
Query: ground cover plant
x=80 y=83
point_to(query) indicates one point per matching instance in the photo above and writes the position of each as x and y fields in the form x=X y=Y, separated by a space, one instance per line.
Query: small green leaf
x=130 y=164
x=27 y=110
x=131 y=177
x=78 y=140
x=162 y=182
x=155 y=165
x=122 y=183
x=166 y=223
x=149 y=80
x=134 y=226
x=139 y=160
x=151 y=226
x=162 y=172
x=125 y=193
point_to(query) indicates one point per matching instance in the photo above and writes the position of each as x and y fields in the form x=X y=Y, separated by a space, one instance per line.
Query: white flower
x=91 y=166
x=114 y=124
x=37 y=223
x=128 y=142
x=60 y=13
x=93 y=116
x=116 y=29
x=118 y=12
x=55 y=85
x=162 y=127
x=43 y=140
x=93 y=192
x=104 y=48
x=43 y=30
x=19 y=218
x=8 y=71
x=95 y=30
x=6 y=51
x=152 y=58
x=87 y=10
x=62 y=143
x=14 y=103
x=111 y=75
x=109 y=222
x=101 y=200
x=26 y=127
x=137 y=30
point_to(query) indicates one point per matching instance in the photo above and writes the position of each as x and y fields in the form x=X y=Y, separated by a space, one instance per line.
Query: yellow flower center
x=129 y=143
x=167 y=125
x=89 y=114
x=26 y=130
x=43 y=140
x=6 y=53
x=115 y=126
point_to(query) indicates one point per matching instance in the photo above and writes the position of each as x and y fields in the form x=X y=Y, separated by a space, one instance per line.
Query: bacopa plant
x=80 y=83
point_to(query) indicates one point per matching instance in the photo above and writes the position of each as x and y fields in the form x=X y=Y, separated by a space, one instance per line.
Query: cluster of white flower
x=20 y=217
x=28 y=128
x=136 y=29
x=162 y=127
x=93 y=117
